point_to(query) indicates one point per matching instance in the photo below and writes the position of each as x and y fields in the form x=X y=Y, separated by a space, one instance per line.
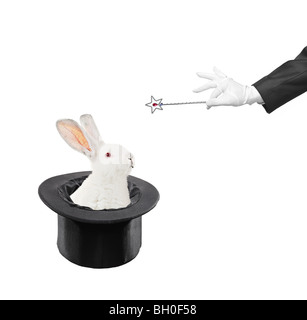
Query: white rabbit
x=107 y=186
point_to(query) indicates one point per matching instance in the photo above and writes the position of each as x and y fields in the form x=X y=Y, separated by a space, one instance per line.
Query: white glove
x=227 y=91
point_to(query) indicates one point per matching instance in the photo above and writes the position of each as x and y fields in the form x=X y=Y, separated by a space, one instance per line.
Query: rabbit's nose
x=131 y=158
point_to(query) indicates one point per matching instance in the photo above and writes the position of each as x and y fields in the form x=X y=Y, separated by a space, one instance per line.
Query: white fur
x=106 y=187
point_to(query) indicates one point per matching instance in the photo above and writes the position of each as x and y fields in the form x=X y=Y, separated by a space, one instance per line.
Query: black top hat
x=97 y=238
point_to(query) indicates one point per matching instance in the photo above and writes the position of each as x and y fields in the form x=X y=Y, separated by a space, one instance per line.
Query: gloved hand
x=227 y=92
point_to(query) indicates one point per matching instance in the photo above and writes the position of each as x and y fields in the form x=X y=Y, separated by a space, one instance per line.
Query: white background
x=231 y=222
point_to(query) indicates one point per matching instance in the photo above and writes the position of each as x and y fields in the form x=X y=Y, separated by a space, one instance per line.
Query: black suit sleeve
x=285 y=83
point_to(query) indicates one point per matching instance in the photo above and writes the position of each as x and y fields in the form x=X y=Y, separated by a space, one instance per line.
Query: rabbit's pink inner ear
x=77 y=133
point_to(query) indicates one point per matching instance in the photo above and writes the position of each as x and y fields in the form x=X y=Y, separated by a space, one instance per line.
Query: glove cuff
x=252 y=95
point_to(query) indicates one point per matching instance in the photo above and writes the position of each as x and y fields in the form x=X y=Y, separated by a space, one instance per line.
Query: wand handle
x=178 y=103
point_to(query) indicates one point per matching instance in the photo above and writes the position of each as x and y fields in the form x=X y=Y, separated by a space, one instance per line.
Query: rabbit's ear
x=90 y=128
x=73 y=134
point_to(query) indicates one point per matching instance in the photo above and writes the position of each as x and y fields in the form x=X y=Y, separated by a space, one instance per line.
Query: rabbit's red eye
x=108 y=154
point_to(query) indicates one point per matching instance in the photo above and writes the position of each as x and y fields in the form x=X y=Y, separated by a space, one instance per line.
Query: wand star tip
x=155 y=104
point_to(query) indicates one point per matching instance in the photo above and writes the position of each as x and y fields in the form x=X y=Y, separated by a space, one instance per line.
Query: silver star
x=155 y=104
